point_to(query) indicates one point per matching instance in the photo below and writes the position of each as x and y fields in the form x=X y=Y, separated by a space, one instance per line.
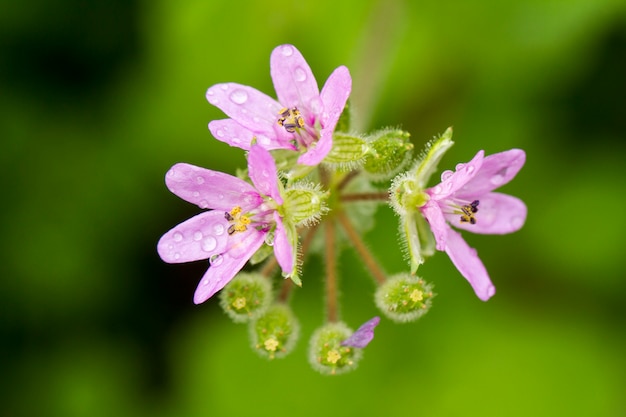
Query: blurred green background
x=99 y=98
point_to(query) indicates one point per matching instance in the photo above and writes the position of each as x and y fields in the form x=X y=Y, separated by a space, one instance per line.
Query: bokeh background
x=99 y=98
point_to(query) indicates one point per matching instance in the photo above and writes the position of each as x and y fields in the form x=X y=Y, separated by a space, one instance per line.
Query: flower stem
x=370 y=263
x=331 y=273
x=381 y=196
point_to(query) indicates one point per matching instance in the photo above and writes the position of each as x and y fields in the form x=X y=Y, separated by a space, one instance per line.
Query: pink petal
x=232 y=133
x=262 y=172
x=334 y=96
x=283 y=249
x=469 y=265
x=247 y=106
x=497 y=214
x=199 y=237
x=294 y=81
x=433 y=214
x=364 y=334
x=496 y=170
x=211 y=189
x=451 y=182
x=225 y=266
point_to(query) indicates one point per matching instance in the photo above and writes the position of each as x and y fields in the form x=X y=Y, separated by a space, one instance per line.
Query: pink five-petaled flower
x=231 y=233
x=464 y=198
x=363 y=335
x=302 y=119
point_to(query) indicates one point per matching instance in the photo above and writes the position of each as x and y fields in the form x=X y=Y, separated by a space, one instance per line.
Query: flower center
x=238 y=222
x=290 y=119
x=468 y=211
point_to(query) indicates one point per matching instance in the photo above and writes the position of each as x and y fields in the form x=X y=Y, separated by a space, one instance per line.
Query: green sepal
x=432 y=154
x=347 y=152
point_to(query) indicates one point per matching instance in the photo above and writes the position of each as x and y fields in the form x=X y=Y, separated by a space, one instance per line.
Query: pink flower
x=242 y=216
x=464 y=198
x=302 y=119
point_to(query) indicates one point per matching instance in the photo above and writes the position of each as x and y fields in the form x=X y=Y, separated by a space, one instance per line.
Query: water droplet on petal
x=446 y=174
x=216 y=260
x=178 y=237
x=437 y=189
x=220 y=134
x=224 y=87
x=269 y=239
x=497 y=179
x=218 y=229
x=264 y=141
x=197 y=235
x=470 y=169
x=200 y=180
x=316 y=105
x=220 y=196
x=517 y=222
x=203 y=204
x=196 y=194
x=209 y=244
x=299 y=74
x=210 y=92
x=235 y=140
x=177 y=255
x=265 y=173
x=287 y=50
x=239 y=96
x=459 y=166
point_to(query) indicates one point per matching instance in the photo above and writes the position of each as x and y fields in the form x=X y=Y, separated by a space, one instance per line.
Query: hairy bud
x=404 y=297
x=389 y=151
x=274 y=334
x=246 y=297
x=326 y=353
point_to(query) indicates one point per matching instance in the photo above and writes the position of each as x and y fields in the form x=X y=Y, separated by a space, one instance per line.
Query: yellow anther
x=333 y=356
x=468 y=212
x=290 y=119
x=271 y=344
x=239 y=303
x=239 y=221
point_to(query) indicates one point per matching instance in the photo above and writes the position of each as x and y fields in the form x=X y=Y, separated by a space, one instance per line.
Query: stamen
x=468 y=212
x=290 y=119
x=239 y=221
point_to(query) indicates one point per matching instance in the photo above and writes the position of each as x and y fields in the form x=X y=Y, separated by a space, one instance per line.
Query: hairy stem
x=380 y=196
x=331 y=272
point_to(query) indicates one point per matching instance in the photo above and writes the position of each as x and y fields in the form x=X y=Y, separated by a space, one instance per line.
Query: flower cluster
x=309 y=175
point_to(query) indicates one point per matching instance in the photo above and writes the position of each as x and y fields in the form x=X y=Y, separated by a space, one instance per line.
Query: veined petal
x=226 y=265
x=211 y=189
x=432 y=212
x=318 y=150
x=283 y=249
x=451 y=182
x=469 y=265
x=497 y=214
x=293 y=79
x=334 y=96
x=199 y=237
x=496 y=170
x=262 y=172
x=247 y=106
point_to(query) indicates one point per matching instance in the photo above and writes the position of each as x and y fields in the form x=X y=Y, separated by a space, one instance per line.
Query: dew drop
x=470 y=169
x=197 y=235
x=220 y=196
x=446 y=174
x=264 y=141
x=497 y=179
x=437 y=189
x=210 y=92
x=265 y=173
x=316 y=105
x=177 y=255
x=239 y=96
x=269 y=239
x=200 y=180
x=235 y=140
x=299 y=74
x=216 y=260
x=459 y=166
x=517 y=222
x=178 y=237
x=218 y=229
x=209 y=244
x=203 y=204
x=287 y=50
x=196 y=194
x=220 y=133
x=224 y=87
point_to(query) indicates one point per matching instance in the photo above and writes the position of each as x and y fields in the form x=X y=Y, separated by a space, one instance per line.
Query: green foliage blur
x=99 y=98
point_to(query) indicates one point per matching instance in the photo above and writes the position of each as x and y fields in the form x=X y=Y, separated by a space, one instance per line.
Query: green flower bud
x=327 y=355
x=389 y=151
x=246 y=297
x=274 y=333
x=304 y=203
x=348 y=152
x=404 y=297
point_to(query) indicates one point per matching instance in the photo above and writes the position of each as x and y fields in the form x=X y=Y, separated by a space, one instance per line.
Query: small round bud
x=389 y=151
x=404 y=297
x=304 y=203
x=246 y=296
x=326 y=353
x=348 y=152
x=274 y=333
